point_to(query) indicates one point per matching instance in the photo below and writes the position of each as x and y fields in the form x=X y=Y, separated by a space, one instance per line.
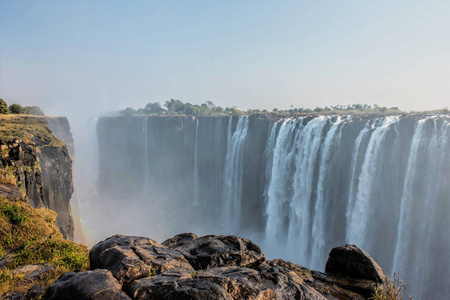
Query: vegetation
x=391 y=289
x=19 y=109
x=4 y=110
x=28 y=129
x=177 y=107
x=29 y=236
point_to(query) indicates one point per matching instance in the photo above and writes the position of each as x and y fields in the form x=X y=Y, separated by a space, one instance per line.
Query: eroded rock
x=89 y=285
x=219 y=251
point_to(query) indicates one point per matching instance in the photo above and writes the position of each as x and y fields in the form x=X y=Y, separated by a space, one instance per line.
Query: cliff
x=298 y=186
x=39 y=164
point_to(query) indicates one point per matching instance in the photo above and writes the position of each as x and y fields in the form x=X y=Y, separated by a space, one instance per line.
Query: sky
x=89 y=57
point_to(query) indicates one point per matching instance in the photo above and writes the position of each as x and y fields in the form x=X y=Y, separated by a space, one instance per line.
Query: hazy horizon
x=89 y=57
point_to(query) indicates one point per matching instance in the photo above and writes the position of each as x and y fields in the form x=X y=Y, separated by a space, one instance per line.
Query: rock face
x=97 y=284
x=212 y=267
x=41 y=168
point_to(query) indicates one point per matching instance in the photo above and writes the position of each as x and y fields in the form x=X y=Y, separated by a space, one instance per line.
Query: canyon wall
x=298 y=186
x=39 y=164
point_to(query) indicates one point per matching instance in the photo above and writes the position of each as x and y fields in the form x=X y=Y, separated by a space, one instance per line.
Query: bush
x=15 y=215
x=391 y=289
x=4 y=110
x=33 y=110
x=17 y=109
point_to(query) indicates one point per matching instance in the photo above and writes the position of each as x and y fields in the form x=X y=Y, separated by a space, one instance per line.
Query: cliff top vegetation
x=29 y=129
x=18 y=109
x=28 y=236
x=177 y=107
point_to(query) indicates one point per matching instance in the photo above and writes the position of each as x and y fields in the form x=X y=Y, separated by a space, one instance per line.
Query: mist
x=157 y=177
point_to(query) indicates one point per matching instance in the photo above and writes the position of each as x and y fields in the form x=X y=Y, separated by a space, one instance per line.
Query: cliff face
x=39 y=164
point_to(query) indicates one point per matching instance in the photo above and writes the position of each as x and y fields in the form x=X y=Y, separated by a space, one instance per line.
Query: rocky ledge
x=212 y=267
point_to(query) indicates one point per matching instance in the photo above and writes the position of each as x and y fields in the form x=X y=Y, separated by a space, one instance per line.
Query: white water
x=232 y=190
x=357 y=225
x=382 y=184
x=146 y=155
x=195 y=196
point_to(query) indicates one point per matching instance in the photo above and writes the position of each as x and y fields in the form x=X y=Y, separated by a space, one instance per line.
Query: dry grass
x=7 y=177
x=34 y=239
x=391 y=289
x=29 y=129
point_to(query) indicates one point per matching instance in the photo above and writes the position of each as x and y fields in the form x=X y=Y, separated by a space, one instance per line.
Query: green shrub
x=17 y=109
x=4 y=110
x=15 y=215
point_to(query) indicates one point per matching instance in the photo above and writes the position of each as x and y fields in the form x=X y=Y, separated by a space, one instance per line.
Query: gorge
x=297 y=186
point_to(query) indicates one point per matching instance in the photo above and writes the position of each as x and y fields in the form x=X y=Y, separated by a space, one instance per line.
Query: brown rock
x=89 y=285
x=220 y=251
x=10 y=191
x=351 y=261
x=130 y=258
x=179 y=240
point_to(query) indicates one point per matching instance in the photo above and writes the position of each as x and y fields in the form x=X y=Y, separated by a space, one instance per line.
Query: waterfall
x=300 y=186
x=232 y=190
x=331 y=142
x=195 y=196
x=145 y=178
x=357 y=225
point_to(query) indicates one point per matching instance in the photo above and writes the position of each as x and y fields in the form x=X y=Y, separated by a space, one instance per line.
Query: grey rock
x=179 y=240
x=219 y=251
x=89 y=285
x=351 y=261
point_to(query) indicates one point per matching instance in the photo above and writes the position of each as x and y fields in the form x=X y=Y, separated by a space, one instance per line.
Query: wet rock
x=351 y=261
x=89 y=285
x=219 y=251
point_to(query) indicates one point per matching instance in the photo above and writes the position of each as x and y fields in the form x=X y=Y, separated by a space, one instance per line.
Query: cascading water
x=304 y=184
x=146 y=154
x=232 y=187
x=195 y=196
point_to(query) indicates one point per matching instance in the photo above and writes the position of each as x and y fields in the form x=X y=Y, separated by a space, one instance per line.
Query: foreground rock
x=213 y=267
x=97 y=284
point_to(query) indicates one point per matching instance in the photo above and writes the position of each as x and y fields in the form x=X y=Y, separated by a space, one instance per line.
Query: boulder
x=351 y=261
x=219 y=251
x=123 y=263
x=130 y=258
x=179 y=240
x=225 y=283
x=89 y=285
x=117 y=240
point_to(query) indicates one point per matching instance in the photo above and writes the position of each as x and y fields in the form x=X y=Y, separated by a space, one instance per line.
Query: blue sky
x=108 y=55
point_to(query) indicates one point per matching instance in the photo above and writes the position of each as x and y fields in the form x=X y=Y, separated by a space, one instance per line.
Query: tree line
x=18 y=109
x=177 y=107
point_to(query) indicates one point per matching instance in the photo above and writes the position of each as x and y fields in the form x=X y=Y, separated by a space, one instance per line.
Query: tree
x=33 y=110
x=128 y=111
x=4 y=110
x=17 y=109
x=153 y=108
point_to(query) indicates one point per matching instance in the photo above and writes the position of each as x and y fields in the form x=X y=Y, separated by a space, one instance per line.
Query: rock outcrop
x=39 y=165
x=213 y=267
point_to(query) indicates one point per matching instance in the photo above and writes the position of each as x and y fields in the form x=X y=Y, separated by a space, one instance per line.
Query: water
x=299 y=186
